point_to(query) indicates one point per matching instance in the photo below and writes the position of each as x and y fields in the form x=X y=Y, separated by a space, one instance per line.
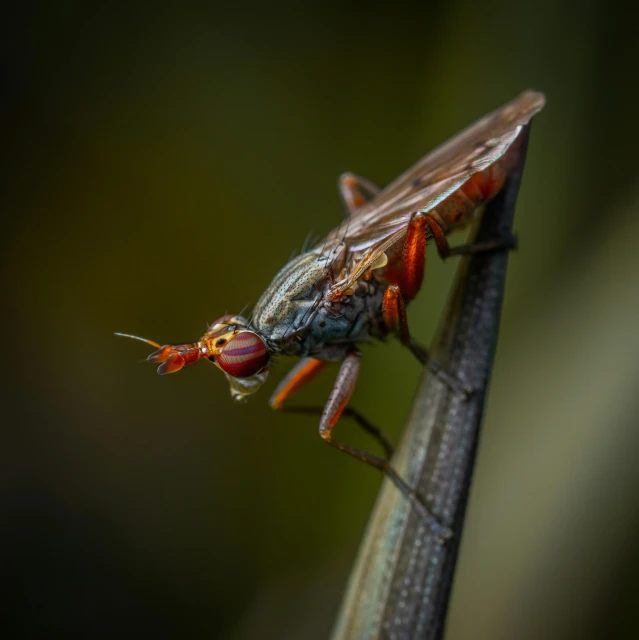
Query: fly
x=353 y=286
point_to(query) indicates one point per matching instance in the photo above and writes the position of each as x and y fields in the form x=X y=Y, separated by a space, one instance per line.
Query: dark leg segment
x=446 y=251
x=502 y=244
x=341 y=393
x=394 y=311
x=410 y=281
x=349 y=412
x=300 y=375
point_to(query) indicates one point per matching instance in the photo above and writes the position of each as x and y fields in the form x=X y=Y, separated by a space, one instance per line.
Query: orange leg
x=413 y=257
x=411 y=276
x=356 y=191
x=439 y=236
x=335 y=407
x=394 y=313
x=299 y=376
x=446 y=251
x=414 y=253
x=340 y=395
x=302 y=374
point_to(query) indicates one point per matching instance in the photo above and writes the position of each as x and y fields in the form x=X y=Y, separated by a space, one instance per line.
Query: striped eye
x=244 y=355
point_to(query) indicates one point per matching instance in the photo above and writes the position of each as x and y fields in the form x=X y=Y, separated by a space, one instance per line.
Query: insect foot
x=440 y=532
x=444 y=535
x=452 y=382
x=507 y=242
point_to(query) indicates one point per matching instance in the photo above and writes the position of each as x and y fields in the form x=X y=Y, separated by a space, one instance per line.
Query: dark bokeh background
x=159 y=165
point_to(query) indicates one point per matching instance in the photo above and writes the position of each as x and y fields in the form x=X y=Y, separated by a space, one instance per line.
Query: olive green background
x=160 y=164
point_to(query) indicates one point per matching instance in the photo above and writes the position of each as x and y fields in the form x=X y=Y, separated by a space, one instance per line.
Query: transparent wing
x=380 y=223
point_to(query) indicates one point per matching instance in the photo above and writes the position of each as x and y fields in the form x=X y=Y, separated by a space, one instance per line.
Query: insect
x=354 y=286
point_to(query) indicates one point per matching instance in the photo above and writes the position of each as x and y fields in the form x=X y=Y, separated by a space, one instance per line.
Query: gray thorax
x=295 y=318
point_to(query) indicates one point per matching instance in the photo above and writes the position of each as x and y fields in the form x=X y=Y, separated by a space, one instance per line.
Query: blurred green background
x=160 y=165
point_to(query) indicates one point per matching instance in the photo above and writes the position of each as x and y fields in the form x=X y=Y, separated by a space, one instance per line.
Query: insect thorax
x=295 y=318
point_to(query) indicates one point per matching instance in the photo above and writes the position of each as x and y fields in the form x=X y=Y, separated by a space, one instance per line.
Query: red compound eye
x=244 y=355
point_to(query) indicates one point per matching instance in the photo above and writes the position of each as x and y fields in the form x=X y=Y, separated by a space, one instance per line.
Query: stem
x=401 y=582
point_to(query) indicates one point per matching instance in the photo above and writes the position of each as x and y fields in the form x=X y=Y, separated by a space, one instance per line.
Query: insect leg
x=502 y=244
x=413 y=258
x=340 y=395
x=302 y=374
x=299 y=376
x=414 y=252
x=349 y=412
x=394 y=312
x=356 y=191
x=445 y=250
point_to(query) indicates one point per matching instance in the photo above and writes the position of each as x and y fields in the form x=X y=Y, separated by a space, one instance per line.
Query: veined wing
x=383 y=221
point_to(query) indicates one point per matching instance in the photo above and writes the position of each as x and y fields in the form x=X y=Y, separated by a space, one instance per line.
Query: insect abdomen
x=460 y=206
x=485 y=184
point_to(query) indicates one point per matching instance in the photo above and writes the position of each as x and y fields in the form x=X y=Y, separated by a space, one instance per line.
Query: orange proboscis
x=171 y=357
x=176 y=357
